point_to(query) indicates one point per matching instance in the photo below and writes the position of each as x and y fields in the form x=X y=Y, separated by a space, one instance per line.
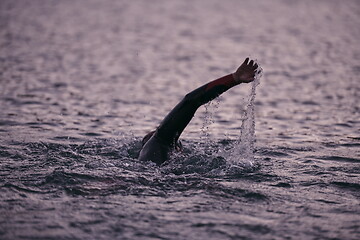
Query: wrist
x=236 y=78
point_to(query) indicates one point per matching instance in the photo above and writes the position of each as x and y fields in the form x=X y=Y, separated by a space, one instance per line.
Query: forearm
x=211 y=90
x=227 y=81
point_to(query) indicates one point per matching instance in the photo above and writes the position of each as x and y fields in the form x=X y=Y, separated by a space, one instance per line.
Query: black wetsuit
x=165 y=137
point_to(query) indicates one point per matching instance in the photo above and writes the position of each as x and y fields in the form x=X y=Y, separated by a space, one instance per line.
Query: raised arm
x=175 y=122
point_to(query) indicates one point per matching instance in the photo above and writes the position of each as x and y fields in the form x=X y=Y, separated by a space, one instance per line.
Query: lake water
x=81 y=82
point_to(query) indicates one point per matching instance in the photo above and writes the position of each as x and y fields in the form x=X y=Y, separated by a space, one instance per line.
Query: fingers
x=256 y=66
x=251 y=62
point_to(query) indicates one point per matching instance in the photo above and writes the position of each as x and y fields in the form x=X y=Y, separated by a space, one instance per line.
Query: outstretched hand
x=246 y=72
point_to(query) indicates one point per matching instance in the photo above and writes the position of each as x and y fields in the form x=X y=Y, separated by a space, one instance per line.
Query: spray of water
x=205 y=129
x=243 y=149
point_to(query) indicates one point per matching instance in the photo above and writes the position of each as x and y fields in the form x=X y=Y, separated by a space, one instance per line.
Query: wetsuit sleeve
x=211 y=90
x=175 y=122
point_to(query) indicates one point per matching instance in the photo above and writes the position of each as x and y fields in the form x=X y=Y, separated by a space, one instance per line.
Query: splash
x=243 y=149
x=205 y=129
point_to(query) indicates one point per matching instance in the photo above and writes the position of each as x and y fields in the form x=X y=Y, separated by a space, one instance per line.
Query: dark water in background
x=83 y=81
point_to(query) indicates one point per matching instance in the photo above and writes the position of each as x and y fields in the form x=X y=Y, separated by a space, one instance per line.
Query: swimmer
x=158 y=144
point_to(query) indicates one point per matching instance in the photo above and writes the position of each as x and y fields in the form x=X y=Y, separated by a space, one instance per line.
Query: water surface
x=83 y=81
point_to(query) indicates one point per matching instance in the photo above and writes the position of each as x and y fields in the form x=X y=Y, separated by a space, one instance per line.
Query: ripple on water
x=339 y=159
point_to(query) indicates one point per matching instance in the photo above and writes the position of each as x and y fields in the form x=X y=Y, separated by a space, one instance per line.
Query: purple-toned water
x=81 y=82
